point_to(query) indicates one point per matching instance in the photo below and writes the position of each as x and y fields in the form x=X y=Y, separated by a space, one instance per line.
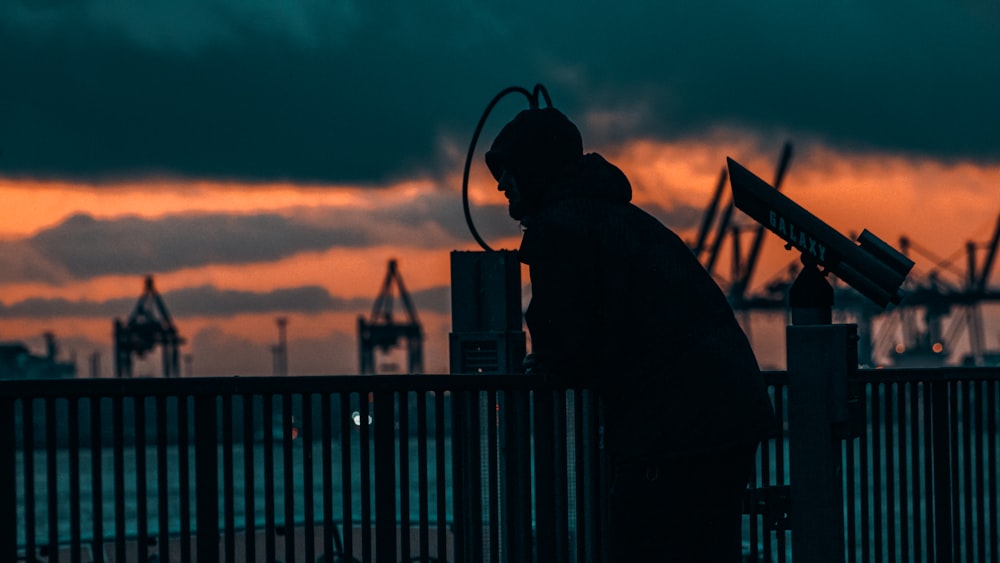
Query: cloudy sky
x=263 y=159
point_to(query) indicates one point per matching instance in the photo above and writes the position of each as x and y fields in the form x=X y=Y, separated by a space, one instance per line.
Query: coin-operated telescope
x=823 y=405
x=871 y=266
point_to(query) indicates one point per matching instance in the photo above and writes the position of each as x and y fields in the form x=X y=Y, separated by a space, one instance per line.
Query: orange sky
x=938 y=205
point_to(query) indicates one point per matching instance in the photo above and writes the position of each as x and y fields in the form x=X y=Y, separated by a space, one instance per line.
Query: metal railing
x=920 y=477
x=385 y=469
x=469 y=468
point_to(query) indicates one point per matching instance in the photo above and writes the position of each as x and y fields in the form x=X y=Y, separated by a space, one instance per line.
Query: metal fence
x=443 y=468
x=920 y=477
x=385 y=469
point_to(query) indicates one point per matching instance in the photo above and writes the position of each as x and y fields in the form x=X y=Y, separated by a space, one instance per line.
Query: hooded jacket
x=620 y=302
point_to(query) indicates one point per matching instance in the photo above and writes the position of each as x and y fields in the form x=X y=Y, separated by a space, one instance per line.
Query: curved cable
x=539 y=89
x=533 y=104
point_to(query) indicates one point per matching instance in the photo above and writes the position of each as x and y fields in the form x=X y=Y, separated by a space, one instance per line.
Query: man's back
x=619 y=299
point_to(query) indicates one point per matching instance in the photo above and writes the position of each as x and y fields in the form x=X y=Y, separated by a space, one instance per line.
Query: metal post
x=8 y=487
x=206 y=467
x=819 y=359
x=385 y=477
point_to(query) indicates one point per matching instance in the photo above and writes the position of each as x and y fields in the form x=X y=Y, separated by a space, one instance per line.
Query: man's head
x=532 y=150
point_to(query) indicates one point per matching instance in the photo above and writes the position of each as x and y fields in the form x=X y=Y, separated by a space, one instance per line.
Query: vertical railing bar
x=582 y=518
x=956 y=492
x=385 y=483
x=493 y=455
x=942 y=476
x=544 y=478
x=347 y=480
x=967 y=494
x=249 y=480
x=761 y=470
x=779 y=458
x=441 y=477
x=755 y=521
x=915 y=388
x=904 y=463
x=517 y=538
x=422 y=483
x=97 y=481
x=877 y=466
x=878 y=526
x=850 y=517
x=184 y=470
x=206 y=468
x=460 y=452
x=307 y=477
x=994 y=471
x=404 y=472
x=228 y=487
x=866 y=491
x=288 y=475
x=28 y=430
x=73 y=421
x=52 y=477
x=559 y=476
x=930 y=458
x=163 y=498
x=327 y=478
x=141 y=484
x=267 y=430
x=890 y=470
x=979 y=389
x=366 y=481
x=8 y=477
x=599 y=480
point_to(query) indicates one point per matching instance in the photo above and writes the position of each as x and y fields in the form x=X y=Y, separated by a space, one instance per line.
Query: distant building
x=17 y=362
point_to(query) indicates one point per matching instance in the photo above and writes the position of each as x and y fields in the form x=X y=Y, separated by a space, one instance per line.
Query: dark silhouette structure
x=382 y=331
x=621 y=302
x=148 y=326
x=17 y=361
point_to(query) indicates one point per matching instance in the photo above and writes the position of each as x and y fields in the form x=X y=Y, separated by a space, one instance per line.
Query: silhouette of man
x=620 y=302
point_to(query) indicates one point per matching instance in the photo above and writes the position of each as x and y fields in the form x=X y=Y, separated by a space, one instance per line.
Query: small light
x=356 y=419
x=937 y=347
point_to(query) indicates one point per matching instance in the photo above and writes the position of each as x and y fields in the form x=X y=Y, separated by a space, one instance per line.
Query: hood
x=591 y=176
x=535 y=146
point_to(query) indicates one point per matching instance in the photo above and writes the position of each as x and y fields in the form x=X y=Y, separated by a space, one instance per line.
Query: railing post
x=819 y=357
x=941 y=424
x=545 y=493
x=516 y=477
x=385 y=478
x=8 y=482
x=206 y=477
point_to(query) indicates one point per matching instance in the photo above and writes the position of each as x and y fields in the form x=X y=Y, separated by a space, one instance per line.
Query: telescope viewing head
x=872 y=267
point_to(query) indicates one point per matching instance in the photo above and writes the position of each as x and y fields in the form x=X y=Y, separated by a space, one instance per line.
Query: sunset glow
x=884 y=193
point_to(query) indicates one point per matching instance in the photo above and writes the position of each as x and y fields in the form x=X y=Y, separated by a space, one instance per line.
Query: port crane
x=148 y=326
x=920 y=317
x=382 y=331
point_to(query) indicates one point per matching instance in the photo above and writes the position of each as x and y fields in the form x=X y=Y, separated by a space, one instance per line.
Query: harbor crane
x=148 y=326
x=382 y=331
x=926 y=339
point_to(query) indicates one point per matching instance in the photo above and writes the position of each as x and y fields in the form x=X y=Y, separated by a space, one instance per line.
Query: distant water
x=237 y=478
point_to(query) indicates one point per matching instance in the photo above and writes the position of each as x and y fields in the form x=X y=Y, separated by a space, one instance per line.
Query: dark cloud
x=87 y=247
x=350 y=92
x=83 y=247
x=210 y=301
